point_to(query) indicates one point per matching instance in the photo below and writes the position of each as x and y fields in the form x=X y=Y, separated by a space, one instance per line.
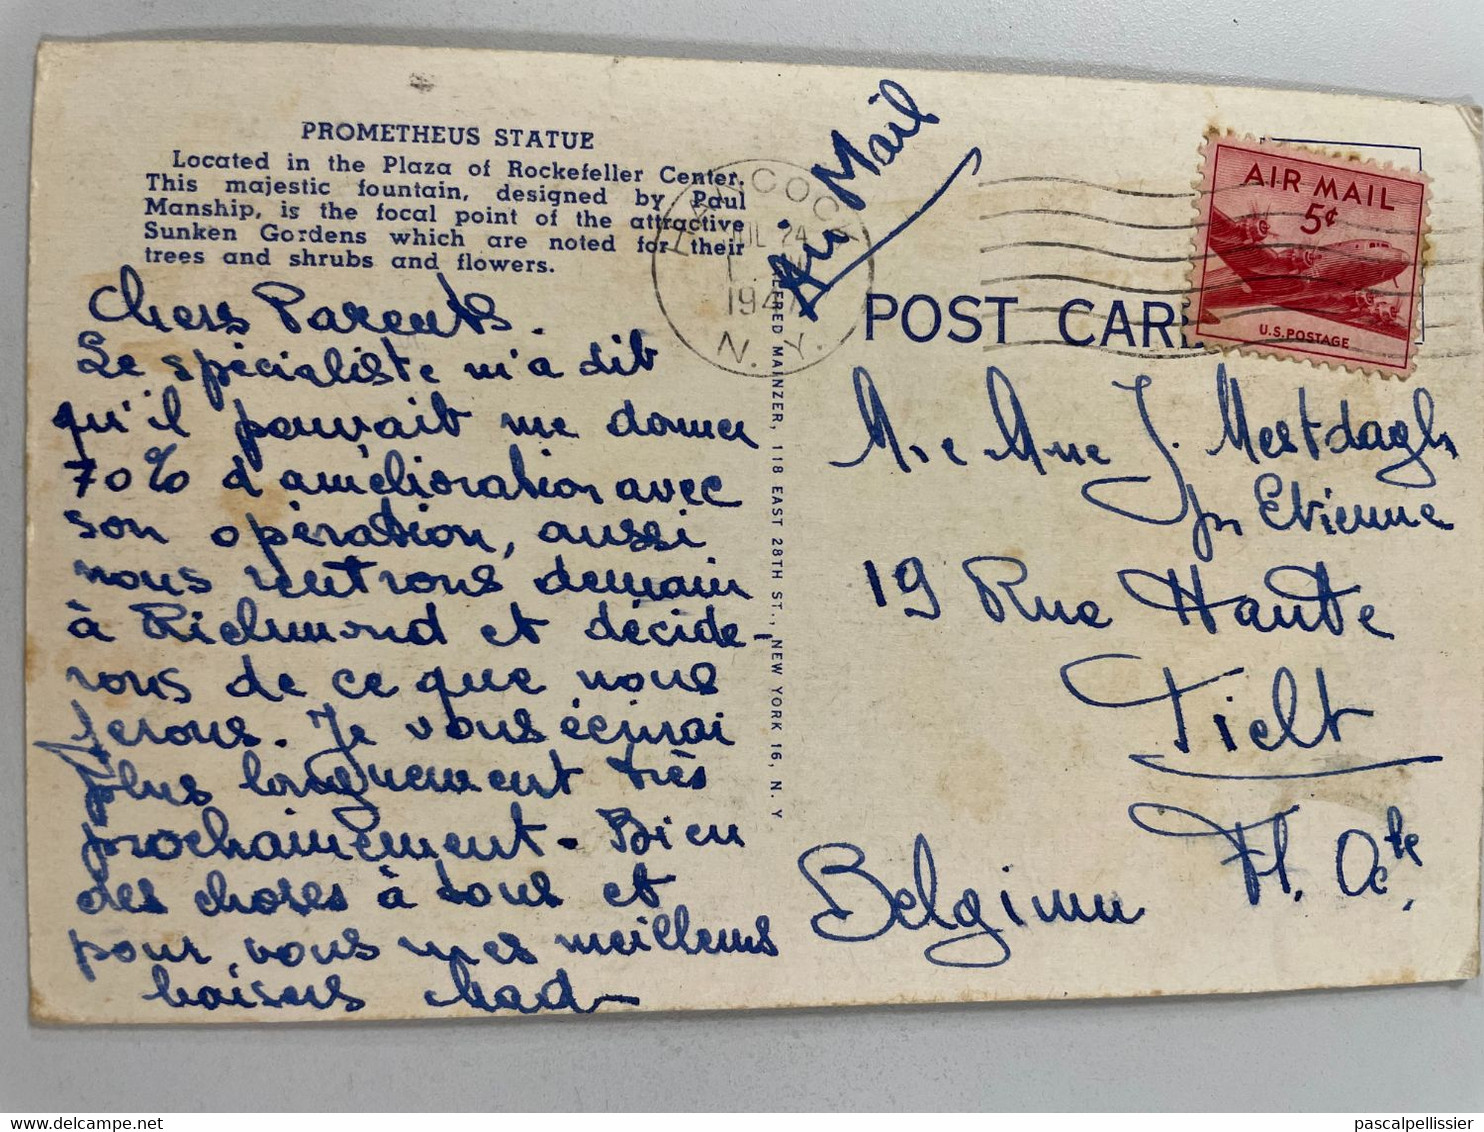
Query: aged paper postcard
x=518 y=534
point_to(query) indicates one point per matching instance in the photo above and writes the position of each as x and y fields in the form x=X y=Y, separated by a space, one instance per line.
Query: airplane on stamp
x=1341 y=282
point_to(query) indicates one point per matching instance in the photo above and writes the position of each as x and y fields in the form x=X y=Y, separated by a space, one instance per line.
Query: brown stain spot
x=972 y=785
x=1395 y=978
x=1363 y=797
x=141 y=350
x=267 y=508
x=33 y=654
x=1470 y=967
x=1077 y=751
x=41 y=1011
x=99 y=279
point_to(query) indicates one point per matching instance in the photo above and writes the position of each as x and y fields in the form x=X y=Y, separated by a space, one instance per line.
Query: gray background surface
x=1417 y=1048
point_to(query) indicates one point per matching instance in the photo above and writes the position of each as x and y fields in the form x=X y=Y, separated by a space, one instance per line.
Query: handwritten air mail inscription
x=518 y=534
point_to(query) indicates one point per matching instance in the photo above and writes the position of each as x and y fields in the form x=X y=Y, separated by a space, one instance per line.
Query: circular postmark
x=714 y=272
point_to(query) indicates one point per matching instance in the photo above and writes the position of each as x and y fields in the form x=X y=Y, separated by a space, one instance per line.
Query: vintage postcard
x=518 y=534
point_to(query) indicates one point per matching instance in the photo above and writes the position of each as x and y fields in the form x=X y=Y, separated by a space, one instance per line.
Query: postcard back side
x=515 y=534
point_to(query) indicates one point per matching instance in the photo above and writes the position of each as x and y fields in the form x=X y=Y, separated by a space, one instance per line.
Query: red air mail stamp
x=1303 y=255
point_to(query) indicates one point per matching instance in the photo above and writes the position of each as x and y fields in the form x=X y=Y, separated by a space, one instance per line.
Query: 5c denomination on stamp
x=1304 y=255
